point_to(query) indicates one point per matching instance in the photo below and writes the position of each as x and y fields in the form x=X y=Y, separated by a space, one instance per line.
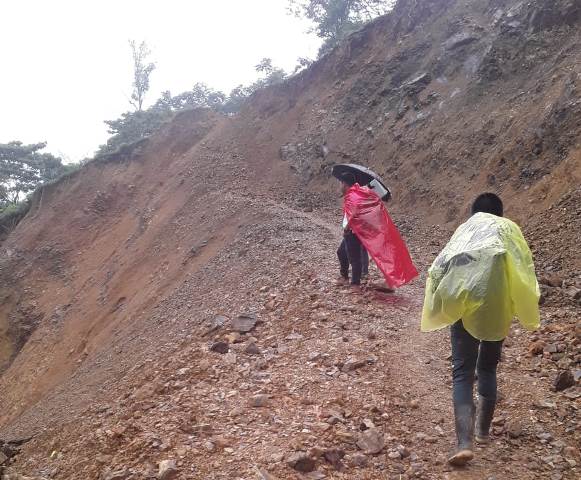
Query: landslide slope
x=115 y=277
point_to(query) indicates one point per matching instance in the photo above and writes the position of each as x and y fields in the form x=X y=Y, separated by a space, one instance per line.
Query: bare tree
x=141 y=71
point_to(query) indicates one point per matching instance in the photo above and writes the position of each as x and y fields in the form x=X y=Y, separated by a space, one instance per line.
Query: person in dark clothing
x=350 y=252
x=472 y=356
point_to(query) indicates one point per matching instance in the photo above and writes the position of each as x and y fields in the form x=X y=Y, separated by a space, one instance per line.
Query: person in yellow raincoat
x=483 y=278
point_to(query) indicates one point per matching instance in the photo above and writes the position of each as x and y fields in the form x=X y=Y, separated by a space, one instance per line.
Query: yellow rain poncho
x=485 y=276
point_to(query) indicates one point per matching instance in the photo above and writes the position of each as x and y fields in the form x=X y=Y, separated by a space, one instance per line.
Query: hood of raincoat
x=485 y=276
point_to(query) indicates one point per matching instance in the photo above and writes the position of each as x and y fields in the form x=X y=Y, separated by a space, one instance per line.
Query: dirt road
x=323 y=367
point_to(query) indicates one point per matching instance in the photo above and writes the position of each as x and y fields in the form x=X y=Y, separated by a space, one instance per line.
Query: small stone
x=244 y=323
x=366 y=424
x=209 y=446
x=233 y=337
x=316 y=475
x=414 y=404
x=115 y=475
x=252 y=349
x=537 y=348
x=220 y=347
x=545 y=436
x=314 y=356
x=301 y=462
x=167 y=470
x=359 y=460
x=230 y=358
x=551 y=279
x=563 y=380
x=352 y=365
x=372 y=335
x=371 y=441
x=259 y=401
x=394 y=455
x=264 y=475
x=277 y=457
x=403 y=451
x=335 y=456
x=514 y=430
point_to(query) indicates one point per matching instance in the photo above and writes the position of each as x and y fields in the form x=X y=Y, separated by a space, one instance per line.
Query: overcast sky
x=66 y=64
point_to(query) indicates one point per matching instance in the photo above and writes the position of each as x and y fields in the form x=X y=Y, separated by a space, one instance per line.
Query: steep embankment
x=111 y=283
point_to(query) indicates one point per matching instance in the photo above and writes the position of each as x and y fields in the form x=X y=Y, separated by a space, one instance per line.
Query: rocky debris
x=264 y=475
x=167 y=470
x=371 y=441
x=244 y=323
x=563 y=380
x=220 y=347
x=121 y=474
x=301 y=462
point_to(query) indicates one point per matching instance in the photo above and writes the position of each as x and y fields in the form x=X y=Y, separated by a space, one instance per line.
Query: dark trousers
x=470 y=355
x=351 y=252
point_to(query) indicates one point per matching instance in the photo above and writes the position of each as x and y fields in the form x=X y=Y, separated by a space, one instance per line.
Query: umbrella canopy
x=346 y=172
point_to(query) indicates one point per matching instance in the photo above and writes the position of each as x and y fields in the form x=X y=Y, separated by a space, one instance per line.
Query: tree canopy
x=23 y=168
x=335 y=19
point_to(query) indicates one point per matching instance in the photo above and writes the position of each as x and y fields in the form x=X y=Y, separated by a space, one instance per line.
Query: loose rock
x=371 y=441
x=167 y=470
x=220 y=347
x=244 y=323
x=301 y=462
x=563 y=380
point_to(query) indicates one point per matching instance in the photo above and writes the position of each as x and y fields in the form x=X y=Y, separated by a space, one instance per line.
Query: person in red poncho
x=367 y=225
x=351 y=253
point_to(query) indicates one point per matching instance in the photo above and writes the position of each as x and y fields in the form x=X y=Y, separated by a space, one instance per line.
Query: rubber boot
x=484 y=419
x=464 y=416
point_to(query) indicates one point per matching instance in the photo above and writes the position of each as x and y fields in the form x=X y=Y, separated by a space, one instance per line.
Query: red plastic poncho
x=368 y=219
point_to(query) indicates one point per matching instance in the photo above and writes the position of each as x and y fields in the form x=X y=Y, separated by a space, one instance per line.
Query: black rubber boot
x=464 y=416
x=484 y=419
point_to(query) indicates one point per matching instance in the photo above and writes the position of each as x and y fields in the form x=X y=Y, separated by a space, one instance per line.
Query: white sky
x=66 y=64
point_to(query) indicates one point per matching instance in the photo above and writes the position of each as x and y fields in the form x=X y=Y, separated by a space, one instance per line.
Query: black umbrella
x=349 y=172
